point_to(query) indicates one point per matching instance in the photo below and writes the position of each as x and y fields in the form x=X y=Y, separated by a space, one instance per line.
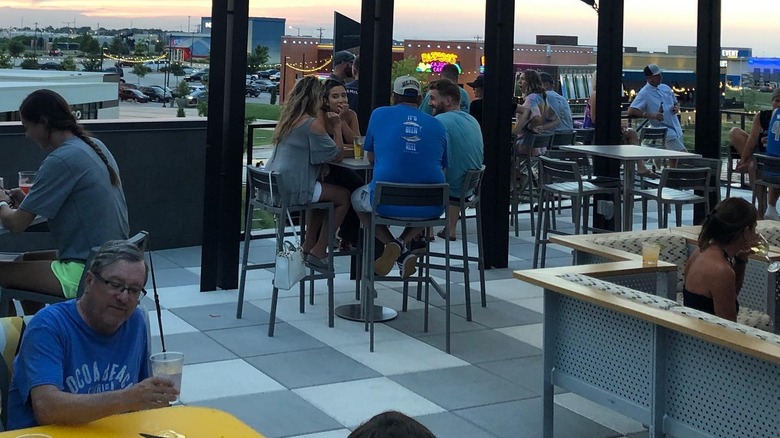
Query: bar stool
x=732 y=157
x=677 y=187
x=406 y=195
x=266 y=192
x=654 y=138
x=584 y=135
x=525 y=164
x=472 y=183
x=563 y=138
x=563 y=178
x=767 y=169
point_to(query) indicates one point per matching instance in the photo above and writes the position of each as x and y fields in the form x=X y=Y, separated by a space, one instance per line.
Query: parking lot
x=156 y=78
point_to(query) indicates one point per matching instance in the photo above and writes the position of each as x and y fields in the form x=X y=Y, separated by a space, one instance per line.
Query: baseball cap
x=406 y=86
x=546 y=77
x=343 y=56
x=652 y=70
x=479 y=82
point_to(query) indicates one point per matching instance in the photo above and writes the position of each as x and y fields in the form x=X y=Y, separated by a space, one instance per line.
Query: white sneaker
x=771 y=214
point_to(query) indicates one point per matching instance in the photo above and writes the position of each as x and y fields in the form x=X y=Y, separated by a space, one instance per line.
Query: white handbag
x=289 y=267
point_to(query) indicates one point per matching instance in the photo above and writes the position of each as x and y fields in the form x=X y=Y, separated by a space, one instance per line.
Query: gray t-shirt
x=560 y=105
x=298 y=157
x=73 y=191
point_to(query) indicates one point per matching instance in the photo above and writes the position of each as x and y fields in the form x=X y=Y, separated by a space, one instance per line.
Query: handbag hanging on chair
x=289 y=267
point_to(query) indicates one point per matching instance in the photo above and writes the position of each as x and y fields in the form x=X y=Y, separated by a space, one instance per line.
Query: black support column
x=707 y=89
x=496 y=126
x=376 y=56
x=609 y=67
x=224 y=149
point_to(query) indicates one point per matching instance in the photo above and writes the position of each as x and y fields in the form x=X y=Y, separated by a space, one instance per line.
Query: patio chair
x=472 y=183
x=715 y=168
x=767 y=176
x=732 y=158
x=407 y=195
x=563 y=138
x=525 y=179
x=584 y=135
x=266 y=193
x=7 y=295
x=654 y=138
x=563 y=178
x=678 y=187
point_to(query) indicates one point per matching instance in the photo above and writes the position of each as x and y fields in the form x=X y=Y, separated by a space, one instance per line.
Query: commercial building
x=263 y=31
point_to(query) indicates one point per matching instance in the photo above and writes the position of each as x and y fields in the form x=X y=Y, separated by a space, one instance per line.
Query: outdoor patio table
x=187 y=421
x=627 y=154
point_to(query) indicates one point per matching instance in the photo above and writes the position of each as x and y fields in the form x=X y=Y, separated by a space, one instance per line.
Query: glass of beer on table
x=358 y=142
x=26 y=179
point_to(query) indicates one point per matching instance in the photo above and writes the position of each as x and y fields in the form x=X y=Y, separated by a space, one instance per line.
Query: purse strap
x=289 y=218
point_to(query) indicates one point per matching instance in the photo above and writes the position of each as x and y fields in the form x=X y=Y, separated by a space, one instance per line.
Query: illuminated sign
x=433 y=62
x=207 y=25
x=729 y=53
x=724 y=63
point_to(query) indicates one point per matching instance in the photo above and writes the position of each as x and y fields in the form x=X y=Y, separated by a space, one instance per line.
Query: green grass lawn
x=264 y=112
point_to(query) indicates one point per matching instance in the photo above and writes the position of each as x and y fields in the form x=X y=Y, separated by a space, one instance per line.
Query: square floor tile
x=483 y=346
x=535 y=304
x=276 y=414
x=462 y=387
x=288 y=308
x=184 y=257
x=524 y=371
x=172 y=277
x=412 y=322
x=500 y=314
x=197 y=347
x=190 y=295
x=352 y=403
x=254 y=340
x=531 y=334
x=314 y=367
x=449 y=425
x=171 y=323
x=523 y=419
x=595 y=412
x=345 y=332
x=226 y=378
x=220 y=316
x=513 y=289
x=398 y=357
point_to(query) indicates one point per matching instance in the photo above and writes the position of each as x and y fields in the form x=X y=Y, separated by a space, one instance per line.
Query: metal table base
x=353 y=312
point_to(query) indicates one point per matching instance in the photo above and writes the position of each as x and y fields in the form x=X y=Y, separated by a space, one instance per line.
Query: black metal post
x=609 y=66
x=496 y=128
x=224 y=149
x=382 y=54
x=707 y=92
x=367 y=31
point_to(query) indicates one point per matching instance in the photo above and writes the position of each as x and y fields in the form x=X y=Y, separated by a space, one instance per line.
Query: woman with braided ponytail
x=714 y=272
x=77 y=189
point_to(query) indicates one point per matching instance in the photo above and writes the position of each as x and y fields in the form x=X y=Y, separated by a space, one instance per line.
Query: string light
x=310 y=70
x=134 y=59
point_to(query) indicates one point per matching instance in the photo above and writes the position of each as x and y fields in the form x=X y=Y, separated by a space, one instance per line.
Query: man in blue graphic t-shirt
x=406 y=146
x=85 y=359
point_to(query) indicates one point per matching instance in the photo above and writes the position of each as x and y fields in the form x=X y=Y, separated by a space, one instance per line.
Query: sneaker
x=384 y=263
x=406 y=264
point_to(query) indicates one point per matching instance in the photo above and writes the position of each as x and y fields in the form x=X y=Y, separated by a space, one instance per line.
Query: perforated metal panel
x=754 y=288
x=642 y=282
x=603 y=348
x=709 y=389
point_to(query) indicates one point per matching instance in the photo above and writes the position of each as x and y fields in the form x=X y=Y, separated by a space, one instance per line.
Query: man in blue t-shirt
x=85 y=359
x=464 y=142
x=406 y=146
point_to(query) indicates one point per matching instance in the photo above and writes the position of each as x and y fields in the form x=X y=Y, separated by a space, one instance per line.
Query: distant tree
x=408 y=66
x=5 y=60
x=159 y=46
x=118 y=47
x=183 y=88
x=15 y=48
x=68 y=64
x=140 y=70
x=177 y=69
x=30 y=62
x=257 y=58
x=92 y=63
x=88 y=44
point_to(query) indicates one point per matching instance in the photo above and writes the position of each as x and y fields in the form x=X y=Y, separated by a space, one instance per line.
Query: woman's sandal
x=441 y=234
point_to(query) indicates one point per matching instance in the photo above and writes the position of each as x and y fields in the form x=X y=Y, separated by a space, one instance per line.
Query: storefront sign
x=433 y=62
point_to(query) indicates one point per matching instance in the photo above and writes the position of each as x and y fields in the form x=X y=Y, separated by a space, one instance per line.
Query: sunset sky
x=648 y=25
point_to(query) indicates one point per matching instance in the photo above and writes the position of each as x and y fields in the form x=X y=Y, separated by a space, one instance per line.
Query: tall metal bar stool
x=732 y=157
x=654 y=138
x=767 y=176
x=677 y=187
x=563 y=178
x=525 y=165
x=472 y=183
x=406 y=195
x=266 y=192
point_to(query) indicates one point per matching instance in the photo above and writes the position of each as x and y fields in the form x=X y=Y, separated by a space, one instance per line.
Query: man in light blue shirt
x=657 y=103
x=451 y=72
x=559 y=104
x=464 y=141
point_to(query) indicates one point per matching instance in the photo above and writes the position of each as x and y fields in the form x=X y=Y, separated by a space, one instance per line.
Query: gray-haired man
x=85 y=359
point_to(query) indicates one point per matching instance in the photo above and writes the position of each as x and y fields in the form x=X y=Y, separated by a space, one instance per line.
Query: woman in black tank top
x=714 y=272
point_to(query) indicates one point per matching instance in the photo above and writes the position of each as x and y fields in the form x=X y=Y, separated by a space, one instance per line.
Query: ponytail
x=727 y=222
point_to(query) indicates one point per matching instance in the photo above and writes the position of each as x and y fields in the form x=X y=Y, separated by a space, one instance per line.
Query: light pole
x=296 y=28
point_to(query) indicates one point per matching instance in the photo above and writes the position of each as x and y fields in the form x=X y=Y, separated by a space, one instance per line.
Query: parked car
x=50 y=66
x=275 y=77
x=133 y=95
x=252 y=90
x=156 y=94
x=156 y=65
x=265 y=74
x=196 y=96
x=265 y=85
x=197 y=75
x=165 y=89
x=117 y=70
x=124 y=85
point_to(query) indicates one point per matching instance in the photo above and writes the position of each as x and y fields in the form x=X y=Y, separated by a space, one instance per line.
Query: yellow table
x=188 y=421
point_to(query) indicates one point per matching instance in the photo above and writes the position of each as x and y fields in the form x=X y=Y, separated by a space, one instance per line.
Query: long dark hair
x=303 y=99
x=534 y=83
x=46 y=106
x=727 y=222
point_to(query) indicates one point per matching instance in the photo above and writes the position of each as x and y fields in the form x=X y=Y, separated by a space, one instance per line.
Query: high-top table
x=171 y=422
x=627 y=154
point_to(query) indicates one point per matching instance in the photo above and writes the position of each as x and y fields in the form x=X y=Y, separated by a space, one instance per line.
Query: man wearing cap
x=451 y=72
x=475 y=107
x=464 y=142
x=559 y=104
x=406 y=146
x=657 y=103
x=342 y=65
